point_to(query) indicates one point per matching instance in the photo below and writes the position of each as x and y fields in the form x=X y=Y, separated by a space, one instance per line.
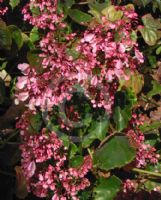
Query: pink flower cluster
x=42 y=14
x=45 y=165
x=3 y=9
x=54 y=84
x=108 y=52
x=105 y=58
x=145 y=152
x=128 y=185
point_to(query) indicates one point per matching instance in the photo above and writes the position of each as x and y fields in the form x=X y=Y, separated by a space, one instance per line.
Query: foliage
x=80 y=99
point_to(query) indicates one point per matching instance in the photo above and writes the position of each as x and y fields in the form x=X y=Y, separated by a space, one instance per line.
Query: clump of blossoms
x=129 y=185
x=45 y=165
x=55 y=82
x=42 y=14
x=108 y=52
x=145 y=152
x=105 y=58
x=3 y=9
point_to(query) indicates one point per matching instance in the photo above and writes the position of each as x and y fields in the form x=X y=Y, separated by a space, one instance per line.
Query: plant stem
x=146 y=172
x=106 y=139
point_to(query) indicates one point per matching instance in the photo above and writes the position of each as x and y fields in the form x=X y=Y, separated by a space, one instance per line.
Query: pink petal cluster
x=55 y=82
x=145 y=152
x=107 y=53
x=105 y=59
x=45 y=165
x=42 y=14
x=128 y=185
x=3 y=9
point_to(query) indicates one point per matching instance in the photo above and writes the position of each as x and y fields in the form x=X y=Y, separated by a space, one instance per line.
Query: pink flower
x=23 y=67
x=139 y=55
x=31 y=168
x=22 y=81
x=94 y=80
x=23 y=96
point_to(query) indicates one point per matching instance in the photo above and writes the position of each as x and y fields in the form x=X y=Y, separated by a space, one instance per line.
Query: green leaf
x=150 y=22
x=3 y=66
x=76 y=161
x=96 y=9
x=133 y=36
x=150 y=31
x=27 y=41
x=146 y=127
x=149 y=35
x=116 y=153
x=145 y=2
x=72 y=52
x=98 y=130
x=152 y=60
x=79 y=16
x=5 y=36
x=69 y=3
x=34 y=34
x=107 y=189
x=14 y=3
x=16 y=35
x=111 y=13
x=35 y=10
x=99 y=6
x=158 y=50
x=35 y=123
x=153 y=184
x=155 y=90
x=73 y=150
x=135 y=82
x=150 y=183
x=121 y=117
x=65 y=139
x=34 y=60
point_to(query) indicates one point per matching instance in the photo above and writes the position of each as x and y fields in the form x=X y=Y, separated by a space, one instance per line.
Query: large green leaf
x=150 y=31
x=5 y=36
x=79 y=16
x=107 y=189
x=116 y=153
x=16 y=35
